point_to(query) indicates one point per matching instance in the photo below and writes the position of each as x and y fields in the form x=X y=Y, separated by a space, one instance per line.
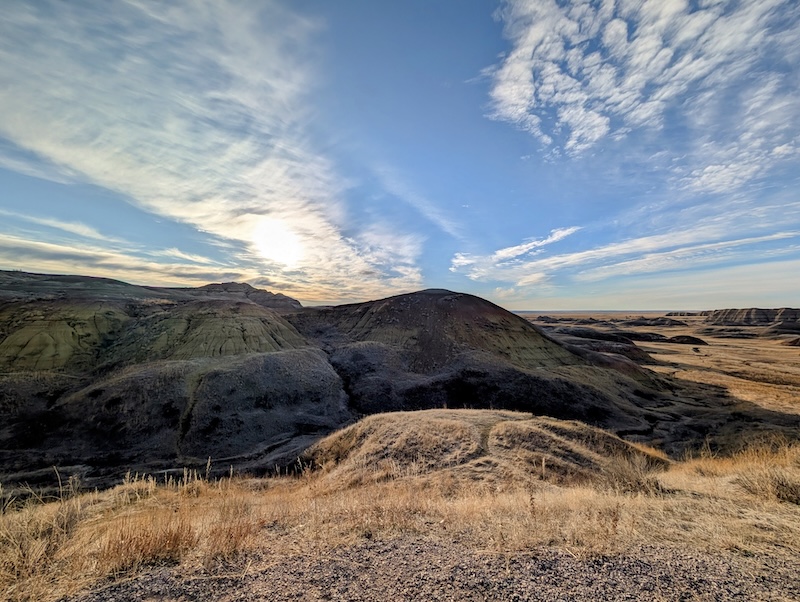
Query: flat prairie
x=763 y=371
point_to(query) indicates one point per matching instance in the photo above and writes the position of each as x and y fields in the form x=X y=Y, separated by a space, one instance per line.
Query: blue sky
x=543 y=154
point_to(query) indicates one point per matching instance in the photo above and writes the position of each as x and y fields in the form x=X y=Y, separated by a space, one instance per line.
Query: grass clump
x=141 y=538
x=772 y=483
x=496 y=497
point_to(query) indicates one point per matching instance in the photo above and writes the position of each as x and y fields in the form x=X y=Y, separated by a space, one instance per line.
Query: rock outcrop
x=751 y=317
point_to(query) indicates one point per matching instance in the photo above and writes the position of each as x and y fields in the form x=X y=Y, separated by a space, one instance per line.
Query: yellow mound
x=52 y=335
x=498 y=447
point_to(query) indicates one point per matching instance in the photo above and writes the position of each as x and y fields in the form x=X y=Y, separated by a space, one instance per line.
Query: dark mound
x=668 y=322
x=591 y=333
x=600 y=342
x=433 y=328
x=793 y=342
x=651 y=337
x=437 y=348
x=723 y=332
x=686 y=340
x=782 y=328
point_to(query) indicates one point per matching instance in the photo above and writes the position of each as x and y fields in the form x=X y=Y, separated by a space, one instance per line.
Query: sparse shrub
x=32 y=536
x=632 y=474
x=135 y=540
x=771 y=484
x=232 y=530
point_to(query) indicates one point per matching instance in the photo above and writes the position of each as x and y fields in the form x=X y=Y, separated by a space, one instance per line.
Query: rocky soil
x=412 y=569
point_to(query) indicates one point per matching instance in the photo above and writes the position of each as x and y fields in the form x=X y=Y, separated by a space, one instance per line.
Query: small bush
x=771 y=484
x=234 y=527
x=136 y=540
x=632 y=474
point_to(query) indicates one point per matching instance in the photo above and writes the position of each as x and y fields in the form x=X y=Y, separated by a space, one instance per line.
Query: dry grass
x=760 y=370
x=51 y=549
x=768 y=469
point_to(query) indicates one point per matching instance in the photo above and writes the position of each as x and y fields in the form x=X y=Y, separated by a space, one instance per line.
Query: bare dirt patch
x=414 y=569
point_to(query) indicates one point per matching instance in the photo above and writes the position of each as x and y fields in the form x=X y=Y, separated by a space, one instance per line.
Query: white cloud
x=76 y=228
x=106 y=262
x=197 y=112
x=764 y=283
x=507 y=260
x=691 y=242
x=686 y=257
x=190 y=257
x=580 y=73
x=513 y=252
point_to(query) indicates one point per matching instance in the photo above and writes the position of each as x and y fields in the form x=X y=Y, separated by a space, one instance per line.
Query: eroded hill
x=98 y=377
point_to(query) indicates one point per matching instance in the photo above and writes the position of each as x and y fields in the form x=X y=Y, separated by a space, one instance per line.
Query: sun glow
x=275 y=241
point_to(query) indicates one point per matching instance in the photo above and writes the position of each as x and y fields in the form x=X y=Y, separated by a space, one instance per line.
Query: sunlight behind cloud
x=275 y=241
x=217 y=138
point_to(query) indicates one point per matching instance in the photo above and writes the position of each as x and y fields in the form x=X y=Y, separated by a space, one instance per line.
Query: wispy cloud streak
x=197 y=112
x=686 y=249
x=507 y=260
x=395 y=185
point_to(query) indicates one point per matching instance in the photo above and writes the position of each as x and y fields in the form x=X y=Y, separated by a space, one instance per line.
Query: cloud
x=690 y=256
x=513 y=252
x=581 y=73
x=764 y=283
x=190 y=257
x=197 y=112
x=508 y=259
x=13 y=159
x=110 y=263
x=710 y=241
x=76 y=228
x=395 y=185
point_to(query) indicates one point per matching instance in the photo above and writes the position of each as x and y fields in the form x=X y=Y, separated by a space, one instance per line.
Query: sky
x=542 y=154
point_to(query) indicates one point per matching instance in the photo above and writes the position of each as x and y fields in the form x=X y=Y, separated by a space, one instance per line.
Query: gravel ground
x=411 y=569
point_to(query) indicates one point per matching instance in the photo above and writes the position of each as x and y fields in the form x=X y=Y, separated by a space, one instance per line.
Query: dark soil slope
x=436 y=348
x=433 y=328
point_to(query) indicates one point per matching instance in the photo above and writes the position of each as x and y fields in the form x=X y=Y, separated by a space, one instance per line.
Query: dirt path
x=409 y=569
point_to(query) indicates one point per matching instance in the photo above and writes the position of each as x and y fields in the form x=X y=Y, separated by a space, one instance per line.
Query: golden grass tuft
x=497 y=504
x=147 y=537
x=771 y=483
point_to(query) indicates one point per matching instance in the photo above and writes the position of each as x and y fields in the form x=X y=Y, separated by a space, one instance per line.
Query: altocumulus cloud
x=197 y=112
x=702 y=94
x=581 y=73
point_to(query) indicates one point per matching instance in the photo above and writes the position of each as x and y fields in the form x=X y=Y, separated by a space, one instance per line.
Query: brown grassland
x=745 y=504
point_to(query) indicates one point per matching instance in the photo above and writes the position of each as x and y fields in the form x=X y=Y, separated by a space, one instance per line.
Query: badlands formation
x=99 y=377
x=431 y=445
